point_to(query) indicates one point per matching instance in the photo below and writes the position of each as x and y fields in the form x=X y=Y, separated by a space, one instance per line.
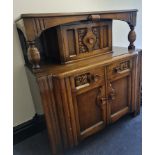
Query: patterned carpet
x=121 y=138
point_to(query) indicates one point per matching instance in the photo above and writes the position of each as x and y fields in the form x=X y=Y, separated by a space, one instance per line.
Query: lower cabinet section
x=83 y=103
x=84 y=83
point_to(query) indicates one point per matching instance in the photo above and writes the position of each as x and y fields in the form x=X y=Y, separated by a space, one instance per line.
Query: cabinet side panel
x=60 y=111
x=34 y=92
x=139 y=82
x=134 y=84
x=48 y=101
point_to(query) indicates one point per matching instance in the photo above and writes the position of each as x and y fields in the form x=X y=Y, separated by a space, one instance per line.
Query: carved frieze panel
x=82 y=79
x=122 y=66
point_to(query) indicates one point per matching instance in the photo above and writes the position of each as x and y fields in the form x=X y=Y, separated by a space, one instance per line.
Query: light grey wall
x=23 y=104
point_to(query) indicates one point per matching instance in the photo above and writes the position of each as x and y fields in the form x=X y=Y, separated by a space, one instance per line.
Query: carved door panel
x=90 y=111
x=119 y=92
x=89 y=104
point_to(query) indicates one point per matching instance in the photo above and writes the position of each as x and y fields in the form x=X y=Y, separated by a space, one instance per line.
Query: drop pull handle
x=112 y=93
x=101 y=101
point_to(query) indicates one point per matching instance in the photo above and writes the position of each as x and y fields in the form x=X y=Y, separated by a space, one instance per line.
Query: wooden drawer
x=119 y=69
x=88 y=80
x=84 y=39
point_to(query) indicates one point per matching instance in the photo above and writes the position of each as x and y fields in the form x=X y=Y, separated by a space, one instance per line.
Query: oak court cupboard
x=82 y=82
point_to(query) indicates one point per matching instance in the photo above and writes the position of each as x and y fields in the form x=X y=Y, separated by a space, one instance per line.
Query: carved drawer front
x=85 y=39
x=89 y=79
x=118 y=69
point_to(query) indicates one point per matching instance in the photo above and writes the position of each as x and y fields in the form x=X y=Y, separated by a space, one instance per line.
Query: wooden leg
x=131 y=38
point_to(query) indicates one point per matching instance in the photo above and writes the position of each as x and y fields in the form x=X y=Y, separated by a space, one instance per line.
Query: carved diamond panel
x=89 y=39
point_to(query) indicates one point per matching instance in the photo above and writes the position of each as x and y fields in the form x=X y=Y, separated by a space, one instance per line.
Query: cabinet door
x=119 y=90
x=90 y=105
x=85 y=39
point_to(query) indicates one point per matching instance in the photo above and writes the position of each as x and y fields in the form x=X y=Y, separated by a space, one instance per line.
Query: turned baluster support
x=33 y=55
x=131 y=37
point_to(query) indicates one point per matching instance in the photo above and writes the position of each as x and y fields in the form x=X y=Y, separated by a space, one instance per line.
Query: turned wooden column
x=131 y=37
x=33 y=55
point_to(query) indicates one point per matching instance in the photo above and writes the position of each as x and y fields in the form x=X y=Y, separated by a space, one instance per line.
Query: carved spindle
x=33 y=55
x=131 y=37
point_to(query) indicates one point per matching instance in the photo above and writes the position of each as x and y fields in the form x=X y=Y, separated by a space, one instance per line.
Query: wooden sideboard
x=82 y=82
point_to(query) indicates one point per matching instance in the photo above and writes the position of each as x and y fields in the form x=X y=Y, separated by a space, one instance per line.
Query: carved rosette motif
x=81 y=79
x=89 y=40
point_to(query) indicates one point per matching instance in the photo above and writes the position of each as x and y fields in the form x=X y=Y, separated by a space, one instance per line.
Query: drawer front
x=119 y=69
x=85 y=39
x=88 y=80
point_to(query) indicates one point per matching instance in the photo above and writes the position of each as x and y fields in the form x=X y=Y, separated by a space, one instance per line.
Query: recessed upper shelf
x=67 y=42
